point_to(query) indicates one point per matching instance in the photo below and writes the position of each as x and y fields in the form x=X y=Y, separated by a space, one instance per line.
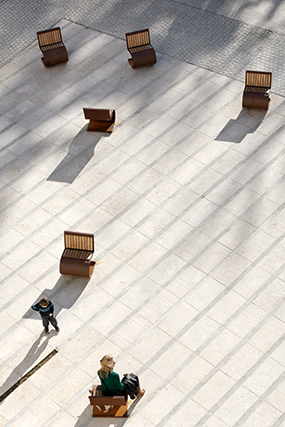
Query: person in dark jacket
x=111 y=384
x=46 y=309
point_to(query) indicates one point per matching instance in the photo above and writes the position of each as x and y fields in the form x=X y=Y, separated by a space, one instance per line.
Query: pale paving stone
x=190 y=411
x=237 y=234
x=167 y=269
x=155 y=222
x=215 y=422
x=226 y=307
x=177 y=319
x=36 y=416
x=148 y=257
x=220 y=347
x=274 y=260
x=192 y=374
x=236 y=406
x=241 y=361
x=84 y=310
x=130 y=245
x=186 y=281
x=153 y=342
x=120 y=280
x=200 y=332
x=71 y=384
x=213 y=390
x=276 y=398
x=230 y=269
x=130 y=331
x=255 y=245
x=264 y=376
x=139 y=292
x=212 y=257
x=264 y=415
x=154 y=309
x=121 y=201
x=164 y=364
x=272 y=296
x=174 y=234
x=268 y=334
x=65 y=420
x=162 y=404
x=201 y=296
x=23 y=395
x=247 y=320
x=199 y=212
x=253 y=280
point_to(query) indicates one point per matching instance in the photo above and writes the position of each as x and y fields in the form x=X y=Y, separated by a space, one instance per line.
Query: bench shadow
x=80 y=152
x=64 y=295
x=237 y=129
x=31 y=357
x=86 y=419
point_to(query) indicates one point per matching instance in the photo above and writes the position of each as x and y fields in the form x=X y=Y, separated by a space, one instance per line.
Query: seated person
x=110 y=381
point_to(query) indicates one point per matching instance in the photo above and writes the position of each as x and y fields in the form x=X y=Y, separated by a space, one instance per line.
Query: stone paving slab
x=185 y=199
x=224 y=37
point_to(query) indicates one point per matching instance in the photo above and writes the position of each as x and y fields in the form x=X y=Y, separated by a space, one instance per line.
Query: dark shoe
x=46 y=331
x=57 y=329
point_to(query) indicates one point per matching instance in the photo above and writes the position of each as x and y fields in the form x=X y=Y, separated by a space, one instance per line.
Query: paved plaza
x=186 y=201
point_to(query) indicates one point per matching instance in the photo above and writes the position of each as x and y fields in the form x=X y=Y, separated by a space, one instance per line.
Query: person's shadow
x=80 y=152
x=31 y=357
x=236 y=129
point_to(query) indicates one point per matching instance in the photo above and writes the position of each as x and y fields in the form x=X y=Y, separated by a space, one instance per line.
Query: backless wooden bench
x=101 y=120
x=256 y=91
x=139 y=46
x=52 y=47
x=76 y=259
x=119 y=404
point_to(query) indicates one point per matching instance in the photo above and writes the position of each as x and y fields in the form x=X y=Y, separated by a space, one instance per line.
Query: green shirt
x=113 y=383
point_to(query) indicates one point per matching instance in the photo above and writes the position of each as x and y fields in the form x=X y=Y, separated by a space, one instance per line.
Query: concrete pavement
x=186 y=202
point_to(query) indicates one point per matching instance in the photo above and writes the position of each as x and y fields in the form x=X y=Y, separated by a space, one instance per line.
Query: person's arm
x=35 y=307
x=51 y=308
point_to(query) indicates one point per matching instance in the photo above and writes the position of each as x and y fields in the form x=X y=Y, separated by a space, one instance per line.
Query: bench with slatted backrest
x=107 y=406
x=101 y=120
x=52 y=47
x=256 y=91
x=139 y=46
x=76 y=259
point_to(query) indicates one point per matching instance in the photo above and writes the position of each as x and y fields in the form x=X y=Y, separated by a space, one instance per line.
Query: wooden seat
x=107 y=406
x=139 y=46
x=101 y=120
x=256 y=91
x=76 y=259
x=52 y=47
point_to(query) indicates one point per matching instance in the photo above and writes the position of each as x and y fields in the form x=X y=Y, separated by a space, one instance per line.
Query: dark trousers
x=46 y=319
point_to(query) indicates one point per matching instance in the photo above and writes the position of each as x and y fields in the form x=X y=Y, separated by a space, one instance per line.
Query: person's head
x=107 y=364
x=44 y=302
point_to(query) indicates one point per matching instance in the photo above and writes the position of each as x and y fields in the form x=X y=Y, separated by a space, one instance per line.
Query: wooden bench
x=107 y=406
x=101 y=120
x=139 y=46
x=256 y=91
x=52 y=47
x=76 y=259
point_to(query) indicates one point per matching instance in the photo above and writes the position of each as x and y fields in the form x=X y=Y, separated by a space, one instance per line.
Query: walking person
x=46 y=309
x=110 y=381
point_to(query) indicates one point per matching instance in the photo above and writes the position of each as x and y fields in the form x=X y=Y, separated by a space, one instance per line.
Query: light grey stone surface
x=185 y=199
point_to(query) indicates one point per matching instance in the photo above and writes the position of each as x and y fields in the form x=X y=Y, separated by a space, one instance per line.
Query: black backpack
x=131 y=385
